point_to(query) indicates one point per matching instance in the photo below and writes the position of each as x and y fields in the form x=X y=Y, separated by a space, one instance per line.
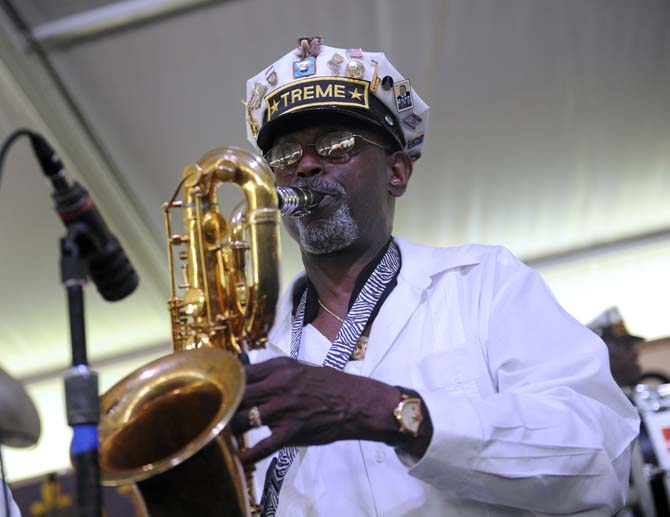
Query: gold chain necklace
x=359 y=352
x=329 y=311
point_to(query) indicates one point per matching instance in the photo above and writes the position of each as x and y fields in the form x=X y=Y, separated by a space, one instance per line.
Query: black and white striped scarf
x=371 y=295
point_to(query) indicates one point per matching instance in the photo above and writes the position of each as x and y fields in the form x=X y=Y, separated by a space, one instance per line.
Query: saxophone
x=164 y=426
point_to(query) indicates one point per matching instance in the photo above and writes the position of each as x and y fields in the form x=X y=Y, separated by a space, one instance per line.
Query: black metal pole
x=75 y=303
x=81 y=383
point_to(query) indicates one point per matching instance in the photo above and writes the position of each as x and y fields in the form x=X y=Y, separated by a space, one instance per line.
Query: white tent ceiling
x=549 y=132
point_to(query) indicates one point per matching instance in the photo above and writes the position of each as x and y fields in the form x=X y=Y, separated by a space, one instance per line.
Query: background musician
x=622 y=348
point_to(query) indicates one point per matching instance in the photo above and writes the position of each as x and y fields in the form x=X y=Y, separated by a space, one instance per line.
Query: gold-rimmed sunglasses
x=337 y=147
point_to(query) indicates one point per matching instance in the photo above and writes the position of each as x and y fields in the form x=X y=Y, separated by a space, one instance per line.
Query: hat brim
x=622 y=338
x=328 y=115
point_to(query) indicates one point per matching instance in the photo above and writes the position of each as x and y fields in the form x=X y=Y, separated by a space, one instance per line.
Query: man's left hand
x=313 y=405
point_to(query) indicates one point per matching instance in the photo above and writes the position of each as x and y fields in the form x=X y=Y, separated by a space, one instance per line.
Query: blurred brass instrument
x=164 y=426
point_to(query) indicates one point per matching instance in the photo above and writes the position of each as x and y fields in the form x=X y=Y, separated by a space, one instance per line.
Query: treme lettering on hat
x=317 y=91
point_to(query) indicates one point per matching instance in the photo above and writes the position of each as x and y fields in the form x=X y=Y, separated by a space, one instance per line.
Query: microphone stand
x=81 y=383
x=87 y=248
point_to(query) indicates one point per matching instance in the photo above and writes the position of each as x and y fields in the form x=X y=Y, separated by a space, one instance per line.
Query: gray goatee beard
x=333 y=234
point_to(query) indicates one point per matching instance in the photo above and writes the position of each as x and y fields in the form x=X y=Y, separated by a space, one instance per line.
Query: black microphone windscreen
x=112 y=272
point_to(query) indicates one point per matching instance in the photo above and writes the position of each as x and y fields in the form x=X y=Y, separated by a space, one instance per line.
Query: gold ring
x=255 y=417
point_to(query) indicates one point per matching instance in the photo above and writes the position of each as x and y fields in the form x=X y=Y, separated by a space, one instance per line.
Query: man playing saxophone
x=411 y=380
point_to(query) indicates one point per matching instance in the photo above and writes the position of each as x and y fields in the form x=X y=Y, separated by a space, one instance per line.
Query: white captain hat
x=341 y=83
x=609 y=324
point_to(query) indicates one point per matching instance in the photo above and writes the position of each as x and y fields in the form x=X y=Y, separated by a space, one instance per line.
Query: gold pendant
x=359 y=352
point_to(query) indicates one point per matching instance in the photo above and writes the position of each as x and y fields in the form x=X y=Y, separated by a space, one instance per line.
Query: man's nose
x=310 y=164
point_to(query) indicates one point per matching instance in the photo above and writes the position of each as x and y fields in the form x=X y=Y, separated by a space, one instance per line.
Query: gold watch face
x=411 y=416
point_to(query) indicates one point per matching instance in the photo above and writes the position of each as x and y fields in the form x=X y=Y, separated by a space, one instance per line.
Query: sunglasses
x=336 y=147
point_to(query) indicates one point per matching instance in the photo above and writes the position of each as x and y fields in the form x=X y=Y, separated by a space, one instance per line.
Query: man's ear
x=400 y=167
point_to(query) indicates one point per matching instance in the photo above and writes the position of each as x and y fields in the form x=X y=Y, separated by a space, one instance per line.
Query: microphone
x=109 y=266
x=297 y=201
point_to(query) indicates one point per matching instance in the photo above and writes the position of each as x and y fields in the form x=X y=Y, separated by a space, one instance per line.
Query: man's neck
x=334 y=275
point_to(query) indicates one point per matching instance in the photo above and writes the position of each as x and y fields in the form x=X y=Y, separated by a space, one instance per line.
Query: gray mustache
x=326 y=187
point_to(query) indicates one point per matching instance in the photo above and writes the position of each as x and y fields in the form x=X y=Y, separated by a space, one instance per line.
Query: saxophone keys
x=179 y=239
x=193 y=302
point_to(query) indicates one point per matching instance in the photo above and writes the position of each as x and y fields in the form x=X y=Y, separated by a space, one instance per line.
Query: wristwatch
x=408 y=412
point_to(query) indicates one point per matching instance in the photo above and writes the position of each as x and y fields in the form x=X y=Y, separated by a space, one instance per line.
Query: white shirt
x=527 y=418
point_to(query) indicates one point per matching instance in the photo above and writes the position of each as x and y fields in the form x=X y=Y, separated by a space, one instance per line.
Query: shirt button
x=380 y=456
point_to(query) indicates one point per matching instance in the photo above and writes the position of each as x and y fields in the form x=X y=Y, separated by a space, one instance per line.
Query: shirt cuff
x=455 y=445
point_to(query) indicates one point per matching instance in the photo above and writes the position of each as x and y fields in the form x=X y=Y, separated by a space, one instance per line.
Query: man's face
x=623 y=361
x=356 y=207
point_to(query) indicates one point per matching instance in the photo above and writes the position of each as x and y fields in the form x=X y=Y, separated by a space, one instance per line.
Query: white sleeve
x=556 y=436
x=13 y=508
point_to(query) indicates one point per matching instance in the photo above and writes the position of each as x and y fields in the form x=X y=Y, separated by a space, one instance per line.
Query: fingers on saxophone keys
x=261 y=450
x=264 y=448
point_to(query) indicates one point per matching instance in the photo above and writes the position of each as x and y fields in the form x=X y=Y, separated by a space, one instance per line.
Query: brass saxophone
x=164 y=426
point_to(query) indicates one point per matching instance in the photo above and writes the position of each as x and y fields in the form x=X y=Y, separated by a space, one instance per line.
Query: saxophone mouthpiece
x=297 y=201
